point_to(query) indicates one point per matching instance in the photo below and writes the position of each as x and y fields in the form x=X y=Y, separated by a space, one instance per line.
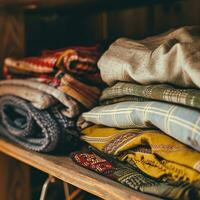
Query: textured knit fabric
x=179 y=122
x=81 y=62
x=189 y=97
x=153 y=152
x=135 y=179
x=173 y=57
x=37 y=130
x=39 y=99
x=72 y=107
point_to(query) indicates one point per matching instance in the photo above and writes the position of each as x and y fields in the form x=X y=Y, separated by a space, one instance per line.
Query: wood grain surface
x=12 y=35
x=15 y=180
x=65 y=169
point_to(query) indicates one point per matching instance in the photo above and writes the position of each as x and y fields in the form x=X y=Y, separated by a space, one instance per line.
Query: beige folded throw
x=173 y=57
x=38 y=99
x=72 y=108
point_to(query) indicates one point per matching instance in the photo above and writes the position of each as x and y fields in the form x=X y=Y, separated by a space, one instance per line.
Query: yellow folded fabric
x=153 y=152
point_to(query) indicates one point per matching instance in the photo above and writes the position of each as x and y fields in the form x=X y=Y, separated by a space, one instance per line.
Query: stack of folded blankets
x=146 y=132
x=42 y=97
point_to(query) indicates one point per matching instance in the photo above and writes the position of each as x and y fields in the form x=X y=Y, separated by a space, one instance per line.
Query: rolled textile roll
x=173 y=57
x=39 y=99
x=38 y=130
x=161 y=92
x=72 y=107
x=177 y=121
x=134 y=178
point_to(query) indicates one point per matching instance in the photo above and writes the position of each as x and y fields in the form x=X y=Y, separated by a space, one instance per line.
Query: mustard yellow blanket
x=153 y=152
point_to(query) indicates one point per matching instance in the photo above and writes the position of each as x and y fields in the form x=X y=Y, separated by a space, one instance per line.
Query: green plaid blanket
x=162 y=92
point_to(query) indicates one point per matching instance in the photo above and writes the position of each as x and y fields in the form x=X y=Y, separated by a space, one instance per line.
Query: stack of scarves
x=149 y=118
x=42 y=97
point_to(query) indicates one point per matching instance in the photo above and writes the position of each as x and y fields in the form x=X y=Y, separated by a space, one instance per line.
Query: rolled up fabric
x=38 y=130
x=173 y=58
x=135 y=179
x=153 y=152
x=177 y=121
x=161 y=92
x=72 y=107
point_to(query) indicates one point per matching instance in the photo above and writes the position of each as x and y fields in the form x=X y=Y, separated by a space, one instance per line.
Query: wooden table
x=66 y=170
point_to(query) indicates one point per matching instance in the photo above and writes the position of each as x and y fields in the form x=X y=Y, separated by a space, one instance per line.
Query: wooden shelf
x=66 y=170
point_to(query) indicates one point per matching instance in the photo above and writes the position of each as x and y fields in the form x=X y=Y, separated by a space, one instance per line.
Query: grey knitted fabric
x=38 y=130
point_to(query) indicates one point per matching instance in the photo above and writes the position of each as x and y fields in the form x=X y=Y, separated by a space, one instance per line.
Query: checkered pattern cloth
x=179 y=122
x=189 y=97
x=122 y=99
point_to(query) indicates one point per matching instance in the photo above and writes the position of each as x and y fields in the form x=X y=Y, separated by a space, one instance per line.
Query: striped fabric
x=85 y=94
x=179 y=122
x=189 y=97
x=81 y=62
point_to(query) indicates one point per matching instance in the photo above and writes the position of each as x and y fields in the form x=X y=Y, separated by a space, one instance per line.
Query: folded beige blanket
x=173 y=57
x=38 y=98
x=72 y=108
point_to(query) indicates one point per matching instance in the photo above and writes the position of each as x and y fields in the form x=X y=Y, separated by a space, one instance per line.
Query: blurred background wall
x=57 y=30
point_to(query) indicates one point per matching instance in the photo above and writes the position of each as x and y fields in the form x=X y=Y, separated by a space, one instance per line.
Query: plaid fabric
x=153 y=152
x=81 y=62
x=179 y=122
x=130 y=176
x=171 y=58
x=39 y=130
x=72 y=107
x=122 y=99
x=189 y=97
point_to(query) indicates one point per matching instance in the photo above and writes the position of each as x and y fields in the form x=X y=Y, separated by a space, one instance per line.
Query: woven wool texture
x=42 y=131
